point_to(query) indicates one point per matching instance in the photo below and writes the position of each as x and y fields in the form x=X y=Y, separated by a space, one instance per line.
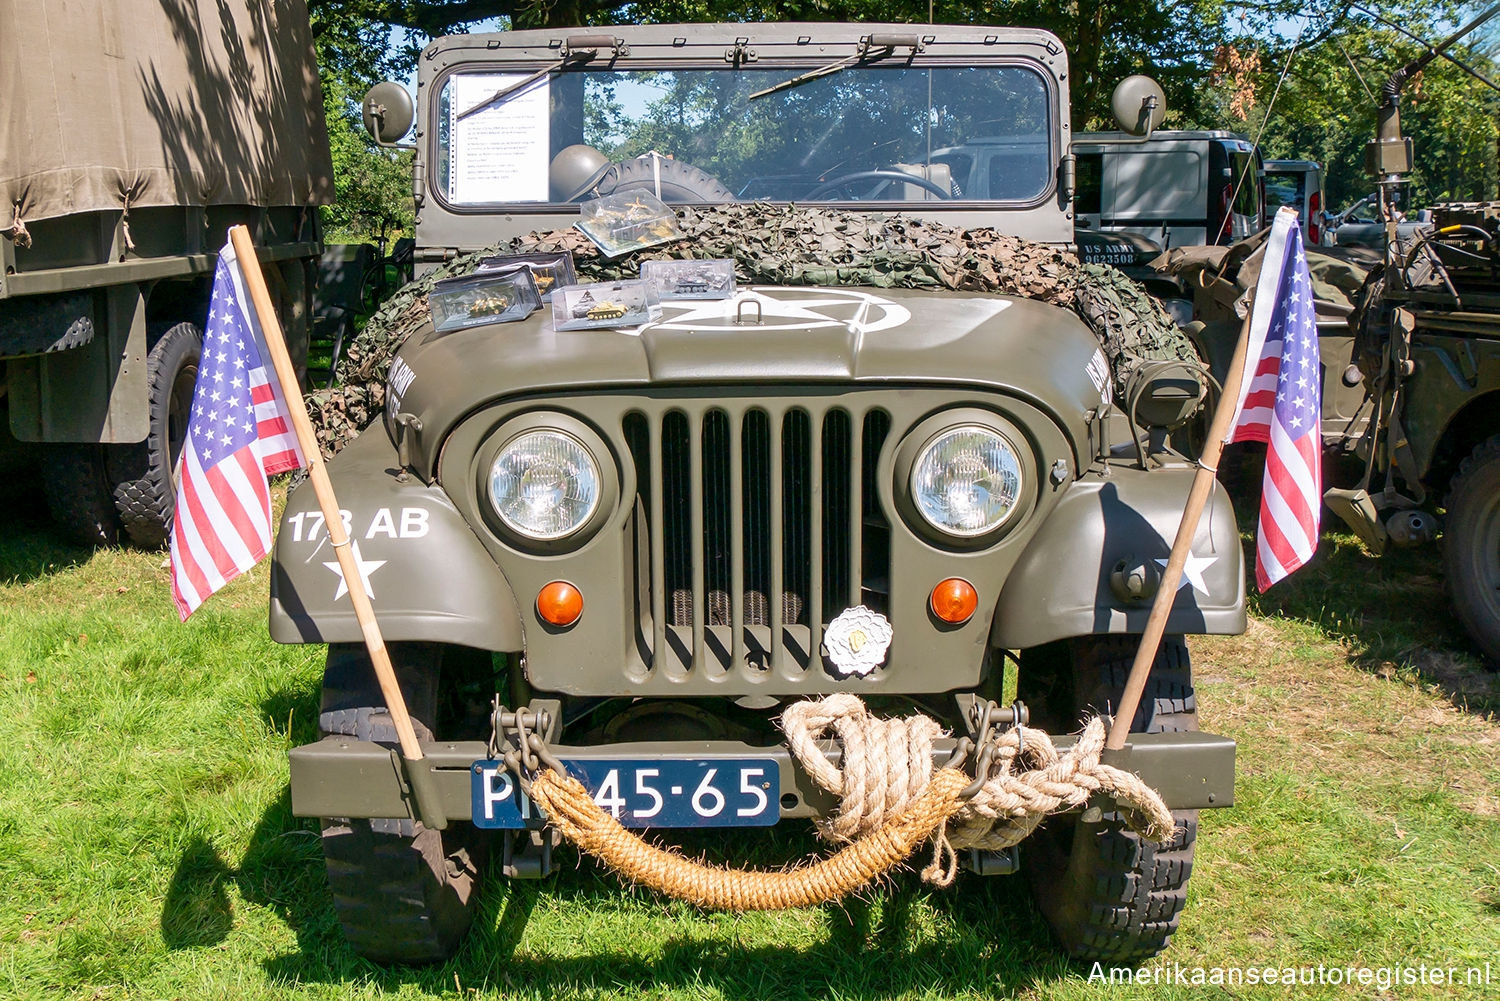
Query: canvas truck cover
x=113 y=104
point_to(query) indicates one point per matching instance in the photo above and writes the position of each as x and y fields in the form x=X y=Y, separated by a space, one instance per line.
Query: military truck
x=136 y=133
x=637 y=542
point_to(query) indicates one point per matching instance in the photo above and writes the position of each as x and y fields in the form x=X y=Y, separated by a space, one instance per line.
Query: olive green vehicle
x=635 y=541
x=1427 y=343
x=133 y=138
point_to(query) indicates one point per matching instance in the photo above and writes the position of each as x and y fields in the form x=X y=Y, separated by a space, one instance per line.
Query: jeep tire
x=144 y=487
x=1109 y=894
x=404 y=893
x=1471 y=545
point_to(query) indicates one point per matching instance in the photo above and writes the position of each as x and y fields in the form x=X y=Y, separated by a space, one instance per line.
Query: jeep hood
x=768 y=336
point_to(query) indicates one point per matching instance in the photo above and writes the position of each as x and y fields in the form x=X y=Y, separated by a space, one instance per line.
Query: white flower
x=857 y=639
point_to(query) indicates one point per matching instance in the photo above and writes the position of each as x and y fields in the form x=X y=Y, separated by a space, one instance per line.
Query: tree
x=372 y=185
x=1325 y=110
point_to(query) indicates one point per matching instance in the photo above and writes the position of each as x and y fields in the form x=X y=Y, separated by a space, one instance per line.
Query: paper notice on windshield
x=499 y=154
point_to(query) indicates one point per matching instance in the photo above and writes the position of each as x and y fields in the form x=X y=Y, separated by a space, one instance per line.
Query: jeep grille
x=755 y=526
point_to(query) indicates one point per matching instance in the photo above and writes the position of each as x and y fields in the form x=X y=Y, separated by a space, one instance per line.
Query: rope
x=18 y=231
x=889 y=762
x=571 y=809
x=891 y=802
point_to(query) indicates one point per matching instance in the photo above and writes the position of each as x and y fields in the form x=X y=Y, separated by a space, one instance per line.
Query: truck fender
x=428 y=576
x=1061 y=585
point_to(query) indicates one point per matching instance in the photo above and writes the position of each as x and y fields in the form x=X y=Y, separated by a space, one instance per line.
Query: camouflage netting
x=787 y=245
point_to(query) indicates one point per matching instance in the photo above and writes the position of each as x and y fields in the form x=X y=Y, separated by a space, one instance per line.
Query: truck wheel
x=1471 y=546
x=145 y=487
x=404 y=893
x=1109 y=894
x=77 y=492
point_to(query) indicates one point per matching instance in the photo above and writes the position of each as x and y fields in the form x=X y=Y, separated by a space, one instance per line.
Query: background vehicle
x=1299 y=185
x=133 y=140
x=733 y=480
x=1427 y=340
x=1177 y=189
x=1360 y=225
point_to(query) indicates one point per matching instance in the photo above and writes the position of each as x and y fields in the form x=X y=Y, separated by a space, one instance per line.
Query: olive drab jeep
x=641 y=543
x=1427 y=344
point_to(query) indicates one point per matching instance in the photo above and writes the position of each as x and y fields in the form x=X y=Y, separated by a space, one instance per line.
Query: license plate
x=678 y=792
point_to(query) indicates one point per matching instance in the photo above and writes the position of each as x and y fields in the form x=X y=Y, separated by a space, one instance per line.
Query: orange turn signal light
x=954 y=600
x=559 y=603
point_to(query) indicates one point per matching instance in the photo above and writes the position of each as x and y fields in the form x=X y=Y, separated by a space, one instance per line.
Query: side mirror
x=388 y=112
x=1139 y=105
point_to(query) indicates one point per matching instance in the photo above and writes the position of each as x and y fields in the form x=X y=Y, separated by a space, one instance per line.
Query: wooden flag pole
x=1171 y=577
x=420 y=779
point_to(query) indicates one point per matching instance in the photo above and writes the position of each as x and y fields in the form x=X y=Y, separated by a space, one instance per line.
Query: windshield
x=861 y=134
x=1285 y=189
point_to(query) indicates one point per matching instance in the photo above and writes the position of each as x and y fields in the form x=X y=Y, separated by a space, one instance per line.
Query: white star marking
x=1192 y=571
x=791 y=309
x=366 y=567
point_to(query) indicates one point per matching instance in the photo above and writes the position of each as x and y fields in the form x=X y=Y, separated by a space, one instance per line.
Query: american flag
x=1280 y=403
x=238 y=434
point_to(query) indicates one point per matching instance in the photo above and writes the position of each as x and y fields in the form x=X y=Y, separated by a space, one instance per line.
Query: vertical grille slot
x=756 y=540
x=796 y=526
x=874 y=527
x=675 y=543
x=717 y=517
x=837 y=496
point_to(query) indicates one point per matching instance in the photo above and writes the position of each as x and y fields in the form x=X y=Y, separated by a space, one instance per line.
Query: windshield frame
x=792 y=67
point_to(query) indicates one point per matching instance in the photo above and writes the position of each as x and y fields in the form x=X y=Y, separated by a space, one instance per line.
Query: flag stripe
x=205 y=529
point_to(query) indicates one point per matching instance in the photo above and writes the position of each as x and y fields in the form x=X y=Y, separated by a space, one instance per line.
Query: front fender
x=1061 y=585
x=428 y=576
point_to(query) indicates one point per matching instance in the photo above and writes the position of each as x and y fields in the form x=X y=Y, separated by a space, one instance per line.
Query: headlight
x=966 y=481
x=544 y=484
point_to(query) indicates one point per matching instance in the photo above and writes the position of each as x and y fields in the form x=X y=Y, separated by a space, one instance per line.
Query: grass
x=147 y=848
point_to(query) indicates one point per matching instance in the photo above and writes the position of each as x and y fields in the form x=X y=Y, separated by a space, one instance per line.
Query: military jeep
x=636 y=541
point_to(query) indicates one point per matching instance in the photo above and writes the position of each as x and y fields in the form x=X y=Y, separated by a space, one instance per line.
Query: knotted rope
x=891 y=802
x=18 y=231
x=888 y=762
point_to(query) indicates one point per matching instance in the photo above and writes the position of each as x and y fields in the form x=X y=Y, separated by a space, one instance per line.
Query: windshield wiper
x=871 y=48
x=576 y=51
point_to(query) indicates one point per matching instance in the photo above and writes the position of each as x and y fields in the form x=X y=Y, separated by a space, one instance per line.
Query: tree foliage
x=372 y=185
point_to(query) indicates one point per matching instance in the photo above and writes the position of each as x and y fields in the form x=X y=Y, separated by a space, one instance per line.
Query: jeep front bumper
x=344 y=777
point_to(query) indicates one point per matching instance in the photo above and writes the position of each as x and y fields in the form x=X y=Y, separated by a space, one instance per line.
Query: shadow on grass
x=1391 y=612
x=872 y=947
x=983 y=938
x=30 y=546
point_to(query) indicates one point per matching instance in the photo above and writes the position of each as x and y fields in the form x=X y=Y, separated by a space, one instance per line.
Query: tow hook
x=519 y=738
x=986 y=721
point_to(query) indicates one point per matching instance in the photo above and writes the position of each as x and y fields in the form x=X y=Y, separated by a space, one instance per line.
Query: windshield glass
x=1285 y=189
x=860 y=134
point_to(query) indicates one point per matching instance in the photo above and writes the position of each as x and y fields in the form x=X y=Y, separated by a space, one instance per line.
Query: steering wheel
x=876 y=175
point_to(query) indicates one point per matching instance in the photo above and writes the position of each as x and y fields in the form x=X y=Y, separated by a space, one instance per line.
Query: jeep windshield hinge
x=741 y=53
x=877 y=45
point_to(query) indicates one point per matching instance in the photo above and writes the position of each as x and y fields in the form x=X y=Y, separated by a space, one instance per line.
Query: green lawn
x=147 y=848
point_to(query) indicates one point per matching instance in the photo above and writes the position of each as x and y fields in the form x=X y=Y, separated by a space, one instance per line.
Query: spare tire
x=676 y=181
